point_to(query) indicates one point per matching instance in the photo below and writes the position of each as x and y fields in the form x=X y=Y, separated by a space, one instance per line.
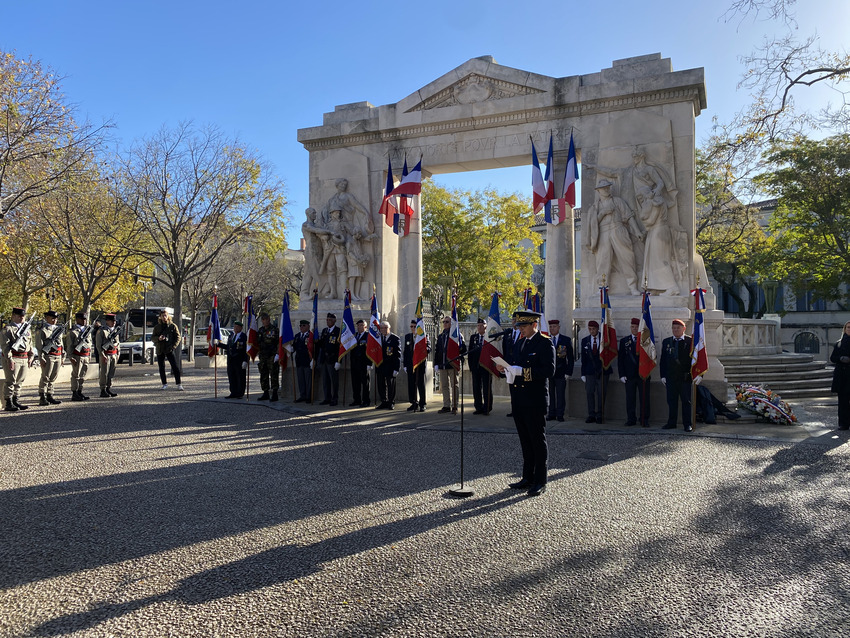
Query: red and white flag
x=453 y=345
x=250 y=321
x=699 y=357
x=609 y=334
x=388 y=208
x=492 y=346
x=538 y=186
x=373 y=342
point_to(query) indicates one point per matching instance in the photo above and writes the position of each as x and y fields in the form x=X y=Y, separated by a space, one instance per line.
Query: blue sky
x=261 y=70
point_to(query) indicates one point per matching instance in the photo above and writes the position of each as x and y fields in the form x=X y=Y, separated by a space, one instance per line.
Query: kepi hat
x=526 y=317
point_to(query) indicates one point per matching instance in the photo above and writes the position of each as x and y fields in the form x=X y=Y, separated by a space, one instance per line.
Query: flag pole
x=691 y=372
x=602 y=343
x=642 y=380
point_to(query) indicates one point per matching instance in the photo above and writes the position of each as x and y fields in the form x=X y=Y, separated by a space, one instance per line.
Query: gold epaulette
x=526 y=374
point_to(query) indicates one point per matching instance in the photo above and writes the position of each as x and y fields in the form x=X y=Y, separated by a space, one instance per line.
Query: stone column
x=560 y=260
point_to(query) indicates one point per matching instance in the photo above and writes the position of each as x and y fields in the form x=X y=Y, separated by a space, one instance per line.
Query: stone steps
x=793 y=376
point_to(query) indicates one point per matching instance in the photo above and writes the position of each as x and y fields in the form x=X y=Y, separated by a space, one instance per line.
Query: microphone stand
x=460 y=491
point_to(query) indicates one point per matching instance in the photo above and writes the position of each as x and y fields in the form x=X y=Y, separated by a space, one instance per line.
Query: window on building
x=806 y=343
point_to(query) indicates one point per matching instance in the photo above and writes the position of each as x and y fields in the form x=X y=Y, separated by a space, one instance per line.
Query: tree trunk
x=177 y=301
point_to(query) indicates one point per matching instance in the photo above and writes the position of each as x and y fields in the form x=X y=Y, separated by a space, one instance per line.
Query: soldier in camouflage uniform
x=48 y=346
x=267 y=341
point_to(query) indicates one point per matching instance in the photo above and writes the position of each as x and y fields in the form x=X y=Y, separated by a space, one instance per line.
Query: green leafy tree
x=811 y=225
x=476 y=243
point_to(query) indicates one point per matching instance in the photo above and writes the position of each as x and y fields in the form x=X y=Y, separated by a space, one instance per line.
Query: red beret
x=635 y=321
x=555 y=322
x=679 y=321
x=592 y=324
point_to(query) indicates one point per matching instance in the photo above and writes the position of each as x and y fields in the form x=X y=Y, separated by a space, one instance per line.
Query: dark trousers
x=330 y=382
x=531 y=428
x=386 y=387
x=236 y=377
x=844 y=410
x=269 y=373
x=637 y=392
x=416 y=383
x=305 y=383
x=593 y=388
x=360 y=384
x=175 y=369
x=482 y=389
x=557 y=397
x=678 y=391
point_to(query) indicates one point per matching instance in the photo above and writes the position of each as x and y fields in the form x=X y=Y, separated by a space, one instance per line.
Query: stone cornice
x=589 y=107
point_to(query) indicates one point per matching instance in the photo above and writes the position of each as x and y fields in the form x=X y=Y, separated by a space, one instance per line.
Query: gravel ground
x=161 y=513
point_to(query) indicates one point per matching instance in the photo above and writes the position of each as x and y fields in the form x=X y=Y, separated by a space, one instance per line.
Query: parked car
x=136 y=348
x=201 y=345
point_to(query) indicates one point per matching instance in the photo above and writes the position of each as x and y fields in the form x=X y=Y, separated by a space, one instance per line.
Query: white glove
x=337 y=366
x=395 y=373
x=312 y=364
x=370 y=368
x=404 y=368
x=584 y=379
x=511 y=372
x=244 y=365
x=276 y=358
x=698 y=380
x=663 y=380
x=623 y=379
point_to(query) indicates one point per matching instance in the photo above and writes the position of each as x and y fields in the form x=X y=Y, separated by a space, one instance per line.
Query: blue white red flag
x=284 y=346
x=388 y=208
x=646 y=348
x=543 y=324
x=410 y=184
x=609 y=334
x=528 y=299
x=453 y=345
x=492 y=346
x=549 y=183
x=538 y=187
x=571 y=176
x=373 y=342
x=420 y=339
x=401 y=226
x=250 y=321
x=214 y=329
x=347 y=338
x=699 y=357
x=314 y=319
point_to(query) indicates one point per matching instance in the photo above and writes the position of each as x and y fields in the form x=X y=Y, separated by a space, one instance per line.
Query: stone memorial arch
x=633 y=125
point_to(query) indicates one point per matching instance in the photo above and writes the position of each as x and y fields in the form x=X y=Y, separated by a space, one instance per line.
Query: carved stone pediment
x=472 y=89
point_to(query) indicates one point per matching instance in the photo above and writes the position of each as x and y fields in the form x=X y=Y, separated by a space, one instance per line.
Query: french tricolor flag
x=549 y=183
x=571 y=176
x=411 y=184
x=537 y=185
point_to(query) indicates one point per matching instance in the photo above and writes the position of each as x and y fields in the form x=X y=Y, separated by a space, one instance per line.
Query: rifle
x=84 y=333
x=109 y=334
x=53 y=342
x=20 y=341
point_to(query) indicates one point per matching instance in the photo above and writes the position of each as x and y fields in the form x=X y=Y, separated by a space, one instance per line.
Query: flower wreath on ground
x=765 y=403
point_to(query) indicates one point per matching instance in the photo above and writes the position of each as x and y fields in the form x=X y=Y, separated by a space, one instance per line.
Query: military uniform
x=637 y=389
x=329 y=359
x=268 y=339
x=16 y=359
x=415 y=378
x=48 y=345
x=79 y=346
x=564 y=364
x=303 y=368
x=595 y=375
x=675 y=368
x=388 y=370
x=237 y=354
x=107 y=345
x=360 y=370
x=534 y=365
x=482 y=380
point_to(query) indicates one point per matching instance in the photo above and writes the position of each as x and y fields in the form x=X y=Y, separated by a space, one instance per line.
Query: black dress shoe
x=537 y=490
x=52 y=401
x=104 y=394
x=299 y=400
x=365 y=404
x=381 y=406
x=444 y=410
x=332 y=403
x=412 y=408
x=689 y=428
x=550 y=418
x=421 y=408
x=18 y=404
x=590 y=419
x=509 y=414
x=111 y=393
x=669 y=426
x=628 y=425
x=230 y=396
x=646 y=425
x=354 y=404
x=389 y=406
x=10 y=407
x=325 y=402
x=477 y=412
x=561 y=419
x=264 y=396
x=520 y=485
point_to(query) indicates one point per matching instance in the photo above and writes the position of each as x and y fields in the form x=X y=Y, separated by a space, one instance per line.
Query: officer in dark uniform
x=675 y=369
x=328 y=347
x=534 y=365
x=388 y=370
x=482 y=380
x=628 y=369
x=415 y=378
x=564 y=363
x=360 y=367
x=268 y=339
x=237 y=361
x=303 y=362
x=510 y=340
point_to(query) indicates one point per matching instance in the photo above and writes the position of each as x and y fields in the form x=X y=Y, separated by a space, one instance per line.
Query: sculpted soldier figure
x=79 y=348
x=267 y=338
x=48 y=345
x=611 y=224
x=314 y=235
x=17 y=355
x=107 y=345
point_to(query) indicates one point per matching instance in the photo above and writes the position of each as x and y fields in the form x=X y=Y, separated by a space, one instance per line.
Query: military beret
x=413 y=322
x=592 y=324
x=526 y=317
x=635 y=321
x=331 y=315
x=238 y=323
x=554 y=322
x=480 y=320
x=304 y=322
x=80 y=315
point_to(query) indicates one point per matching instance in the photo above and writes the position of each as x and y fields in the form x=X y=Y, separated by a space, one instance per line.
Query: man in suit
x=675 y=369
x=593 y=372
x=388 y=370
x=482 y=380
x=448 y=372
x=360 y=367
x=528 y=377
x=237 y=361
x=628 y=369
x=564 y=363
x=328 y=347
x=415 y=378
x=303 y=362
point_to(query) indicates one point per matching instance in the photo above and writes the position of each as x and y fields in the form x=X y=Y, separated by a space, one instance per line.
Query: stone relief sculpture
x=336 y=254
x=611 y=233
